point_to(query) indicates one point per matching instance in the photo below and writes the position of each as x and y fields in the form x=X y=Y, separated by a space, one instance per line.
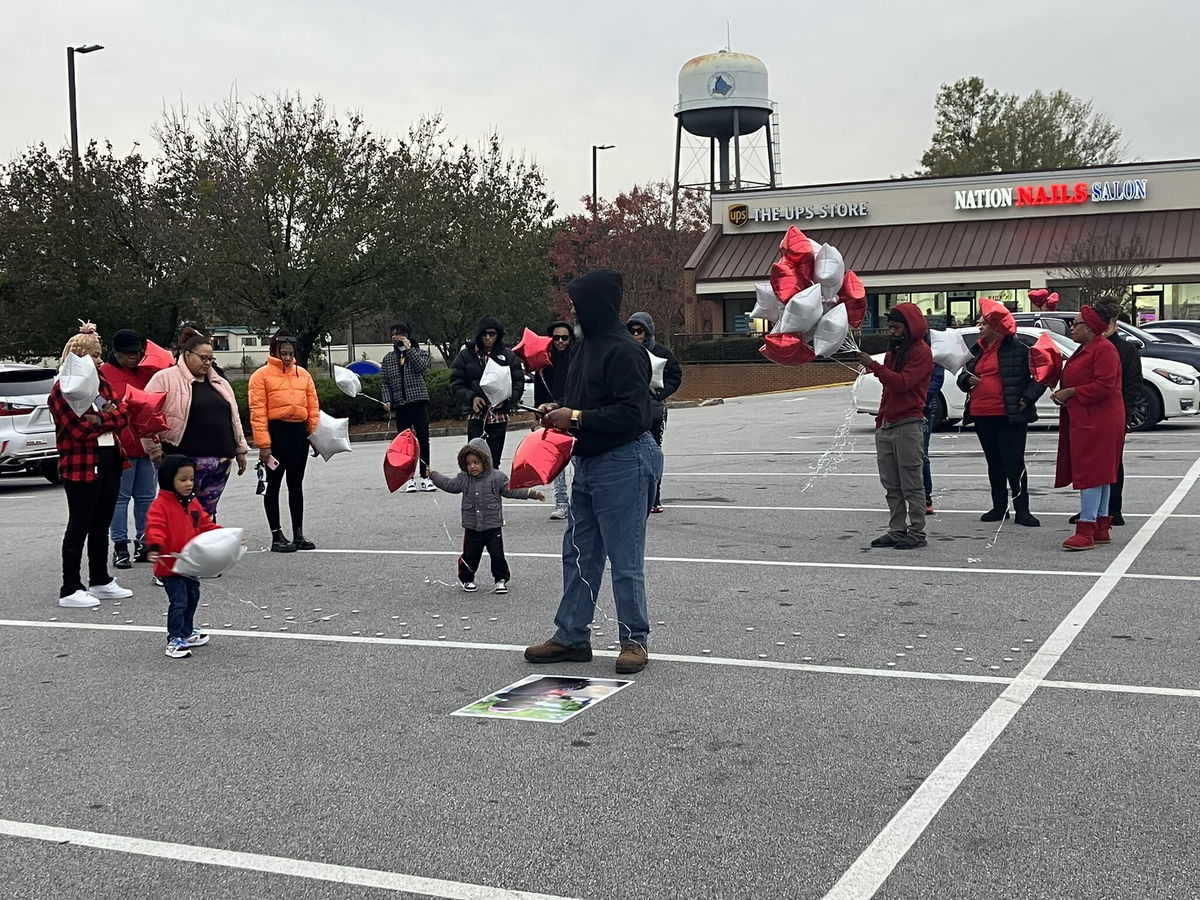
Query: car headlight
x=1174 y=377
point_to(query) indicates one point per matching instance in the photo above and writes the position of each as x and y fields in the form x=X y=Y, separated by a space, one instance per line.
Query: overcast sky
x=855 y=80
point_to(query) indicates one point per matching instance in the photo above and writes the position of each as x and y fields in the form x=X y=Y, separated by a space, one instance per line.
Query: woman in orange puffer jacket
x=283 y=413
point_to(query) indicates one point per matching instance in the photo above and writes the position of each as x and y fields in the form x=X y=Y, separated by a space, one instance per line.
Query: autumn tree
x=981 y=130
x=633 y=235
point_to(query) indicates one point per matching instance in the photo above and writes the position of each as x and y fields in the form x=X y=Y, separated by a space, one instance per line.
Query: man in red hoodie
x=899 y=427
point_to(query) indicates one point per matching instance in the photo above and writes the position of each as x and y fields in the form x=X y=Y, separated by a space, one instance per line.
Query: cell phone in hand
x=272 y=463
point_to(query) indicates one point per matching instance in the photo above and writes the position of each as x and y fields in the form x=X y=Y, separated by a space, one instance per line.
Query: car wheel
x=49 y=471
x=1145 y=410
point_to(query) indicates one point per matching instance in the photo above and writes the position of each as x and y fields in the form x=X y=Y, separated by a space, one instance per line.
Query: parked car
x=1169 y=389
x=27 y=441
x=1174 y=335
x=1147 y=344
x=1189 y=325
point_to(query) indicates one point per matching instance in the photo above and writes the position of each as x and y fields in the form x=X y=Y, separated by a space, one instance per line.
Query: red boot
x=1103 y=524
x=1083 y=538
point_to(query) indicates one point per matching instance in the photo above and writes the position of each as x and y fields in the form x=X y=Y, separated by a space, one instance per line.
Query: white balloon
x=658 y=366
x=950 y=351
x=79 y=381
x=801 y=313
x=210 y=554
x=331 y=436
x=831 y=331
x=496 y=382
x=829 y=269
x=347 y=381
x=766 y=304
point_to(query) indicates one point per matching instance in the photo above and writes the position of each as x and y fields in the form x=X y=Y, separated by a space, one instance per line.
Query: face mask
x=399 y=347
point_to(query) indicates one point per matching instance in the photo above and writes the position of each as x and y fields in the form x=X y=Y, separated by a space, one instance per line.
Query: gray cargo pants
x=900 y=453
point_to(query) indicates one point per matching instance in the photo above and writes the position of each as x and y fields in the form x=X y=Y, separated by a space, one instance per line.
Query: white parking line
x=803 y=473
x=872 y=868
x=734 y=662
x=276 y=865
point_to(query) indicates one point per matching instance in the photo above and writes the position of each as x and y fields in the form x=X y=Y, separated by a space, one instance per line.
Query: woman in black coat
x=465 y=372
x=1001 y=398
x=641 y=326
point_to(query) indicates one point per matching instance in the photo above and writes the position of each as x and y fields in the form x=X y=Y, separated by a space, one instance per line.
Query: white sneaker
x=411 y=487
x=470 y=587
x=427 y=485
x=560 y=512
x=196 y=639
x=502 y=587
x=110 y=591
x=177 y=648
x=78 y=600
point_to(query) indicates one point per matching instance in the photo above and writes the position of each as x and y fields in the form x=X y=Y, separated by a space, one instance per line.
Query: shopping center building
x=942 y=243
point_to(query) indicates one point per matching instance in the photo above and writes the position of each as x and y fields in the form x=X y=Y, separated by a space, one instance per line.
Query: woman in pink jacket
x=202 y=419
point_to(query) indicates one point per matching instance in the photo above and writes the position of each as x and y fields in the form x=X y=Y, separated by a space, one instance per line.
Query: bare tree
x=1101 y=264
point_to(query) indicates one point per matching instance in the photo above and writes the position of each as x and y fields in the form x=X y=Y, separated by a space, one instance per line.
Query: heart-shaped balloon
x=1038 y=297
x=534 y=351
x=400 y=461
x=539 y=459
x=1052 y=302
x=786 y=349
x=145 y=409
x=785 y=282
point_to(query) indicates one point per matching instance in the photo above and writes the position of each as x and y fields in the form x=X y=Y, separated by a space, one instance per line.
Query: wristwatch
x=576 y=417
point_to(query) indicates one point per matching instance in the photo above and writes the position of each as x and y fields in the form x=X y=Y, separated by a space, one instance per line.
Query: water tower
x=723 y=99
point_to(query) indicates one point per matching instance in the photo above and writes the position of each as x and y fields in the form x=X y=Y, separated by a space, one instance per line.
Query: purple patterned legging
x=211 y=474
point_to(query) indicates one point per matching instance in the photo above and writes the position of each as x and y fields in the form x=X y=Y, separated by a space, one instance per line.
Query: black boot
x=121 y=555
x=299 y=541
x=280 y=544
x=1073 y=519
x=999 y=508
x=140 y=553
x=1024 y=516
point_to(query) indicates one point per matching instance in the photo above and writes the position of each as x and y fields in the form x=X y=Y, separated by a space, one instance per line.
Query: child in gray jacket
x=482 y=514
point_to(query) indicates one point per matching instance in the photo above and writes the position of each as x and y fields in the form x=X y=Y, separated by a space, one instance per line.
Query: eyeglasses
x=562 y=337
x=207 y=360
x=489 y=333
x=637 y=330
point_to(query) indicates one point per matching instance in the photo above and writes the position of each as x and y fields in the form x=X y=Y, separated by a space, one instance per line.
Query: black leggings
x=495 y=434
x=1003 y=445
x=90 y=506
x=416 y=417
x=289 y=446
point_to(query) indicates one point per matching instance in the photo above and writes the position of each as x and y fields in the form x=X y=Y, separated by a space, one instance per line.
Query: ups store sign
x=741 y=213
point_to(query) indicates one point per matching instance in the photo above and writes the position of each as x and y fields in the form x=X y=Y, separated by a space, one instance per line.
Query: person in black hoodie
x=484 y=420
x=549 y=386
x=641 y=326
x=617 y=467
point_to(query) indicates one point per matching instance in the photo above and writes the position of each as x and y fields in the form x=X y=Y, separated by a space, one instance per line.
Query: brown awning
x=1169 y=235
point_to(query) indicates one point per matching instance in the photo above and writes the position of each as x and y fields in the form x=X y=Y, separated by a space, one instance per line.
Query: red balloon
x=797 y=250
x=542 y=455
x=400 y=461
x=854 y=295
x=786 y=349
x=534 y=351
x=1052 y=302
x=145 y=410
x=785 y=282
x=1045 y=360
x=156 y=357
x=1038 y=297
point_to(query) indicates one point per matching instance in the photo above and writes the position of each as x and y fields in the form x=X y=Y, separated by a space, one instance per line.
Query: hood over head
x=597 y=298
x=169 y=468
x=912 y=316
x=561 y=323
x=282 y=336
x=998 y=316
x=479 y=447
x=485 y=323
x=646 y=321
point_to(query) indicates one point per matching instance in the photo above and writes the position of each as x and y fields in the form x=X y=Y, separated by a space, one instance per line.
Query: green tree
x=980 y=130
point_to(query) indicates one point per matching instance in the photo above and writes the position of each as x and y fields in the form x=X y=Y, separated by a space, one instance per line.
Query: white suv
x=27 y=441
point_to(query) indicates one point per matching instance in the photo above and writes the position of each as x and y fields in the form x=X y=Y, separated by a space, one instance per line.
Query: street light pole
x=595 y=149
x=71 y=51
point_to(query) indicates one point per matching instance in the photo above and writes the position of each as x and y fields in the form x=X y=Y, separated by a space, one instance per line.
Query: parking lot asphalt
x=988 y=717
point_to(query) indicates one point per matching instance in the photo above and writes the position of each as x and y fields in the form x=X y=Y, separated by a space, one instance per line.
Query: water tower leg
x=712 y=164
x=770 y=156
x=675 y=186
x=724 y=153
x=737 y=151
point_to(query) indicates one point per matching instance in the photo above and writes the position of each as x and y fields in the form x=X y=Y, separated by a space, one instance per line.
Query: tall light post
x=596 y=148
x=71 y=51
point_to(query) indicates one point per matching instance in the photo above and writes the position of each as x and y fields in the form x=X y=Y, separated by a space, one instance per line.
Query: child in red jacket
x=174 y=518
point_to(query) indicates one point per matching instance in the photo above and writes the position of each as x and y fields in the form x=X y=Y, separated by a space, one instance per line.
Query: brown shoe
x=632 y=658
x=552 y=651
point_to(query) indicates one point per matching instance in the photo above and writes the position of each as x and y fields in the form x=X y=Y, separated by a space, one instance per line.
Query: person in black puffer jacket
x=550 y=386
x=484 y=420
x=1001 y=398
x=641 y=326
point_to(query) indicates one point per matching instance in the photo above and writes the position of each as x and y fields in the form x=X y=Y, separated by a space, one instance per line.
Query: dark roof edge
x=706 y=242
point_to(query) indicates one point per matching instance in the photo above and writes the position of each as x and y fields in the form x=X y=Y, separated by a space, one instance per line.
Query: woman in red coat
x=1091 y=428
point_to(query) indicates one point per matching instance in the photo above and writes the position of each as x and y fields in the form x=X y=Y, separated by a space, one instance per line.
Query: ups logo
x=739 y=214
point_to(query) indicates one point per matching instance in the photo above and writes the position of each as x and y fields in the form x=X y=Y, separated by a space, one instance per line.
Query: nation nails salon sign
x=1058 y=194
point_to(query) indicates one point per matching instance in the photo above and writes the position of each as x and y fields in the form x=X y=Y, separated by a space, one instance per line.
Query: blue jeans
x=139 y=481
x=611 y=496
x=931 y=409
x=1093 y=502
x=183 y=596
x=560 y=490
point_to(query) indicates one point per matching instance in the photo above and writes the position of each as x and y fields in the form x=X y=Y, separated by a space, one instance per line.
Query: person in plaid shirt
x=90 y=463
